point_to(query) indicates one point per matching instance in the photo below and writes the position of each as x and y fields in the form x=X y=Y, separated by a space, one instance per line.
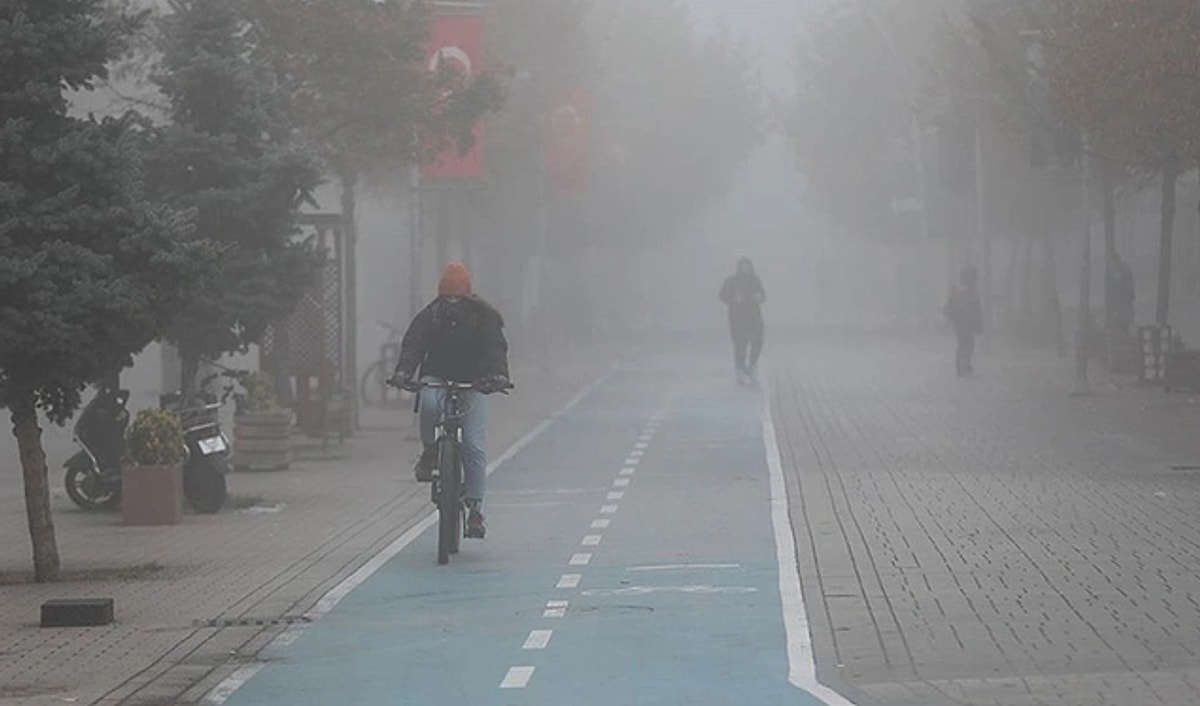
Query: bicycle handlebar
x=451 y=384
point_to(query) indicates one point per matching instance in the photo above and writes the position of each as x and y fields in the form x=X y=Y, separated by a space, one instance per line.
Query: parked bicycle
x=374 y=390
x=448 y=490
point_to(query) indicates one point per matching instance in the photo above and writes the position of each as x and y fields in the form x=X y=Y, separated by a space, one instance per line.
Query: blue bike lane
x=630 y=560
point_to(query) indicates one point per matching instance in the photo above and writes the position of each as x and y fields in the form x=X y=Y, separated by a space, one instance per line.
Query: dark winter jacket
x=455 y=339
x=964 y=311
x=744 y=295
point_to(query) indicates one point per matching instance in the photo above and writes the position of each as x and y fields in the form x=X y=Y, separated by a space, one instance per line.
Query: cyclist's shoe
x=426 y=464
x=476 y=527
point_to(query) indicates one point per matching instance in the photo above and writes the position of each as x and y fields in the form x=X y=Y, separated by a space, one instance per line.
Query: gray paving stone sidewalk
x=298 y=534
x=991 y=540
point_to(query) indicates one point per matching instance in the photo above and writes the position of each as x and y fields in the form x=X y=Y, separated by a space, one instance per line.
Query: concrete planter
x=262 y=441
x=152 y=495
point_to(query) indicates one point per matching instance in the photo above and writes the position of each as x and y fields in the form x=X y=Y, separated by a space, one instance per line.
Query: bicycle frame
x=448 y=490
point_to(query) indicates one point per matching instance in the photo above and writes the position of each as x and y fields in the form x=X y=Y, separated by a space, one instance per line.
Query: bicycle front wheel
x=450 y=502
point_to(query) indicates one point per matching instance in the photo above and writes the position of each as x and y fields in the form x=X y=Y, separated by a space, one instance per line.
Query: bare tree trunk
x=1108 y=194
x=349 y=370
x=1052 y=304
x=1013 y=283
x=1170 y=179
x=1028 y=282
x=189 y=369
x=37 y=486
x=1083 y=324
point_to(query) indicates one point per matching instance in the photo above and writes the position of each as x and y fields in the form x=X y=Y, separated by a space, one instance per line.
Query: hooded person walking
x=744 y=296
x=965 y=314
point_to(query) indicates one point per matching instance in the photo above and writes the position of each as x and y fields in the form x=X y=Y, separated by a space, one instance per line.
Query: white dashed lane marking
x=517 y=678
x=537 y=640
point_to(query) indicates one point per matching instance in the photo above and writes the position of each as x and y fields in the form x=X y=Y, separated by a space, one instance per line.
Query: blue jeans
x=474 y=433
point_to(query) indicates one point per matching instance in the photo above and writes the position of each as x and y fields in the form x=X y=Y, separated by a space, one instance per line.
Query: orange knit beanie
x=455 y=282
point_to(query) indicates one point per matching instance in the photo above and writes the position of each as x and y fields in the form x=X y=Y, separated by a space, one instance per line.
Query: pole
x=414 y=242
x=1083 y=326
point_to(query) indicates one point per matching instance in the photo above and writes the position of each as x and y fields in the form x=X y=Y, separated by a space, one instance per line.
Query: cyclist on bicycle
x=460 y=338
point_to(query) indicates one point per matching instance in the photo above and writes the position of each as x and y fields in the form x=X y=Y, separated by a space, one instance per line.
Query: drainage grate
x=251 y=622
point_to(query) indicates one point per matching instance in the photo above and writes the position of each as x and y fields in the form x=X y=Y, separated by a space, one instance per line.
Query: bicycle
x=448 y=490
x=374 y=389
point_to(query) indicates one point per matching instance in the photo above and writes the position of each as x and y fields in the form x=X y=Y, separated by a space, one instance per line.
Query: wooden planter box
x=152 y=495
x=1183 y=371
x=262 y=441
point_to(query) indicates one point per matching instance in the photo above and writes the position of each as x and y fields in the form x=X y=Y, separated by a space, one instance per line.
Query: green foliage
x=1128 y=74
x=229 y=156
x=155 y=439
x=258 y=392
x=354 y=79
x=850 y=122
x=676 y=115
x=90 y=268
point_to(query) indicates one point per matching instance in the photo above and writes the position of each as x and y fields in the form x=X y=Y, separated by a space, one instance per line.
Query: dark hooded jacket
x=743 y=293
x=459 y=339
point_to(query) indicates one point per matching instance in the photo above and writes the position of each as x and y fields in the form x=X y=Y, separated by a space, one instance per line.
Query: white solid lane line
x=517 y=678
x=581 y=559
x=684 y=567
x=537 y=640
x=569 y=580
x=802 y=665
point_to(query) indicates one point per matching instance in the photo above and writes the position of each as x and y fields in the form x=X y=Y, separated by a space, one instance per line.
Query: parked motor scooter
x=208 y=449
x=93 y=479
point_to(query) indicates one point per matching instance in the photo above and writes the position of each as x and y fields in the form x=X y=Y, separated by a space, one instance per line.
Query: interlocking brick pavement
x=312 y=525
x=991 y=540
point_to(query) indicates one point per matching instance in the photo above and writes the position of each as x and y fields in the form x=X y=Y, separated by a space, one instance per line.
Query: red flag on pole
x=569 y=142
x=456 y=42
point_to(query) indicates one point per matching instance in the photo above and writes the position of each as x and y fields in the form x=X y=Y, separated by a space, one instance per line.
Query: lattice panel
x=1155 y=343
x=314 y=330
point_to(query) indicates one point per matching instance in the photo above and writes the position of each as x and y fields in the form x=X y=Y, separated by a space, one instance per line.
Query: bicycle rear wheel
x=374 y=390
x=450 y=502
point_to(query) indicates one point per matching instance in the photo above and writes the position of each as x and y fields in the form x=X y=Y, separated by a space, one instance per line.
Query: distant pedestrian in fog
x=744 y=295
x=965 y=313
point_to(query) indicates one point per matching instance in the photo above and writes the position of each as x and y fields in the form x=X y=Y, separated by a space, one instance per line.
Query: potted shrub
x=152 y=475
x=262 y=429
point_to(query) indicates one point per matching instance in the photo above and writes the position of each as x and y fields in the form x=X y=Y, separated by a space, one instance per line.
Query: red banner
x=456 y=41
x=569 y=142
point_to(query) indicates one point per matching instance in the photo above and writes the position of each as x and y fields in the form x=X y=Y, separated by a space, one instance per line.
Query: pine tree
x=90 y=270
x=229 y=155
